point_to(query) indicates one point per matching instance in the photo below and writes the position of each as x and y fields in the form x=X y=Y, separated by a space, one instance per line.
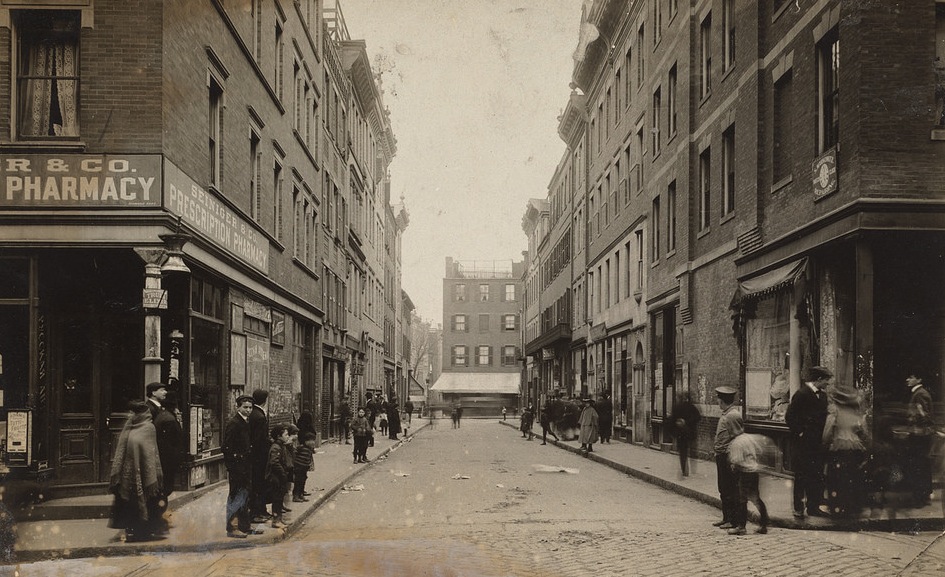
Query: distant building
x=482 y=310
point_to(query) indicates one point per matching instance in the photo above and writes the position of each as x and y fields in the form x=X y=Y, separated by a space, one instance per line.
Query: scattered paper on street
x=399 y=474
x=458 y=476
x=350 y=488
x=555 y=469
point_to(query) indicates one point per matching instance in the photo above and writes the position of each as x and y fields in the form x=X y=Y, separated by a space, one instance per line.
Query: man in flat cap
x=806 y=416
x=237 y=455
x=730 y=426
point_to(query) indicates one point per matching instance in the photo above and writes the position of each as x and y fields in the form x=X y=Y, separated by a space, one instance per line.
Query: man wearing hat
x=590 y=425
x=237 y=455
x=921 y=429
x=806 y=416
x=169 y=435
x=730 y=426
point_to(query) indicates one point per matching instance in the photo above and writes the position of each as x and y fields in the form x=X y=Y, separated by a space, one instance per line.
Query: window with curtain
x=47 y=73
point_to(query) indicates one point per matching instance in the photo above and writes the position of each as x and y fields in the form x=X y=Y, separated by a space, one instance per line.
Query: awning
x=489 y=383
x=769 y=282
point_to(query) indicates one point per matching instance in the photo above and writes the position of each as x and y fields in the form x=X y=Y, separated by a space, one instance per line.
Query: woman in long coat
x=136 y=479
x=845 y=439
x=590 y=427
x=393 y=418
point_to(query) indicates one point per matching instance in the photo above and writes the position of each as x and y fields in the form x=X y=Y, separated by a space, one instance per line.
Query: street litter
x=457 y=476
x=349 y=488
x=555 y=469
x=399 y=474
x=500 y=485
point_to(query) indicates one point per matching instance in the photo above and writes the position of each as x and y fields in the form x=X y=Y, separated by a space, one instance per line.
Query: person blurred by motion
x=744 y=454
x=589 y=422
x=845 y=440
x=546 y=419
x=921 y=428
x=729 y=427
x=684 y=420
x=169 y=439
x=301 y=464
x=136 y=480
x=806 y=416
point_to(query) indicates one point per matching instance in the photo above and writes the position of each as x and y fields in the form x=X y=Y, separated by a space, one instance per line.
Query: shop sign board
x=19 y=437
x=154 y=298
x=824 y=169
x=80 y=181
x=210 y=217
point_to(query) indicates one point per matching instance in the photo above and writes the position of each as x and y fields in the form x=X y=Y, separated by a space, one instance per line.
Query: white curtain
x=49 y=105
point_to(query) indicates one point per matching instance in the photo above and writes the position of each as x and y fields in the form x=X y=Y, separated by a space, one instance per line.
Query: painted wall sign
x=824 y=169
x=210 y=217
x=80 y=181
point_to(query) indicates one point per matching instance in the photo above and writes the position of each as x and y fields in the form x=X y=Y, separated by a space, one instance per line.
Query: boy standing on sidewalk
x=729 y=427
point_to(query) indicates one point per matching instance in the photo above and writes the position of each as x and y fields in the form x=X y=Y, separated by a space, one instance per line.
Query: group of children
x=287 y=467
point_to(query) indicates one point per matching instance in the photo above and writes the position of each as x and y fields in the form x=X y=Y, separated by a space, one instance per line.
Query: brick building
x=171 y=175
x=773 y=192
x=482 y=308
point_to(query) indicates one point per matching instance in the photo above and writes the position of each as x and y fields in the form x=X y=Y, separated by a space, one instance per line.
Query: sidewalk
x=197 y=517
x=662 y=469
x=198 y=525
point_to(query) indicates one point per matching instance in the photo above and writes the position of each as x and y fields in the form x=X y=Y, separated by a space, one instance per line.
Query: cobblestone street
x=482 y=501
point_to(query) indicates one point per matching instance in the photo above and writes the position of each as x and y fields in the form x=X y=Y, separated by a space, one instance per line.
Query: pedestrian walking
x=237 y=456
x=361 y=430
x=277 y=474
x=408 y=412
x=290 y=447
x=684 y=421
x=259 y=437
x=527 y=420
x=845 y=441
x=459 y=414
x=454 y=415
x=806 y=416
x=545 y=419
x=729 y=427
x=382 y=423
x=136 y=478
x=745 y=455
x=503 y=413
x=589 y=422
x=605 y=414
x=301 y=465
x=918 y=471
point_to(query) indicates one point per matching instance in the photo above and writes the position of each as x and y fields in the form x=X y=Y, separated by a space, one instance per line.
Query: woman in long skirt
x=136 y=479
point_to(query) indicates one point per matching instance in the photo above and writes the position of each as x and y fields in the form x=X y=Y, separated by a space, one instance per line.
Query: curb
x=267 y=538
x=887 y=525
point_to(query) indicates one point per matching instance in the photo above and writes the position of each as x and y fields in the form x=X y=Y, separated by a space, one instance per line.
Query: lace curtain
x=48 y=106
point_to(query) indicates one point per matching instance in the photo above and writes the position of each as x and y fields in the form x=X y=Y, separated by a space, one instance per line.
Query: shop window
x=768 y=343
x=47 y=89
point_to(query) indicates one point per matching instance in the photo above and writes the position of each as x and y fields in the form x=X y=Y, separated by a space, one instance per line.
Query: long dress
x=136 y=480
x=590 y=428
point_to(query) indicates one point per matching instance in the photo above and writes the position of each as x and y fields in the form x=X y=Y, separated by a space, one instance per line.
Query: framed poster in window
x=278 y=328
x=237 y=360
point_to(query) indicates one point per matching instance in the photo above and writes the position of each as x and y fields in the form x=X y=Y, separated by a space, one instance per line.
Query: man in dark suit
x=259 y=439
x=168 y=432
x=806 y=416
x=237 y=455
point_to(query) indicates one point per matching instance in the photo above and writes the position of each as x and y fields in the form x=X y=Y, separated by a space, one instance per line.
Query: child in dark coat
x=362 y=432
x=277 y=473
x=301 y=465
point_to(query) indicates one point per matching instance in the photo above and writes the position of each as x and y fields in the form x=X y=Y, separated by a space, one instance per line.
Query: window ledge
x=728 y=71
x=33 y=145
x=672 y=137
x=670 y=254
x=307 y=269
x=781 y=184
x=704 y=232
x=727 y=217
x=705 y=98
x=938 y=133
x=781 y=11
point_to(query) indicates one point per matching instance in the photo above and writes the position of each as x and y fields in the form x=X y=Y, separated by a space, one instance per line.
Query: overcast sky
x=474 y=89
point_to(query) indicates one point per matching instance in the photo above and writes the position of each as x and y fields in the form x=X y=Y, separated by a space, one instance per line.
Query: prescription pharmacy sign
x=80 y=181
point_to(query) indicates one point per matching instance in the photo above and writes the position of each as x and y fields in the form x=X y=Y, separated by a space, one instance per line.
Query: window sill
x=728 y=71
x=305 y=268
x=655 y=263
x=305 y=148
x=672 y=137
x=781 y=11
x=670 y=254
x=704 y=232
x=781 y=184
x=656 y=154
x=727 y=217
x=35 y=145
x=705 y=98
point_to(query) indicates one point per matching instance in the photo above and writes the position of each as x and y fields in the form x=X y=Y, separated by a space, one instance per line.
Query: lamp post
x=158 y=261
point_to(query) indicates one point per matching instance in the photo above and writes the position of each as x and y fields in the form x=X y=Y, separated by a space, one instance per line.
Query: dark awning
x=769 y=282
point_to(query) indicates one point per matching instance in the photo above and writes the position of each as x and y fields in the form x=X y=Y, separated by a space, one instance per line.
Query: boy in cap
x=730 y=426
x=237 y=455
